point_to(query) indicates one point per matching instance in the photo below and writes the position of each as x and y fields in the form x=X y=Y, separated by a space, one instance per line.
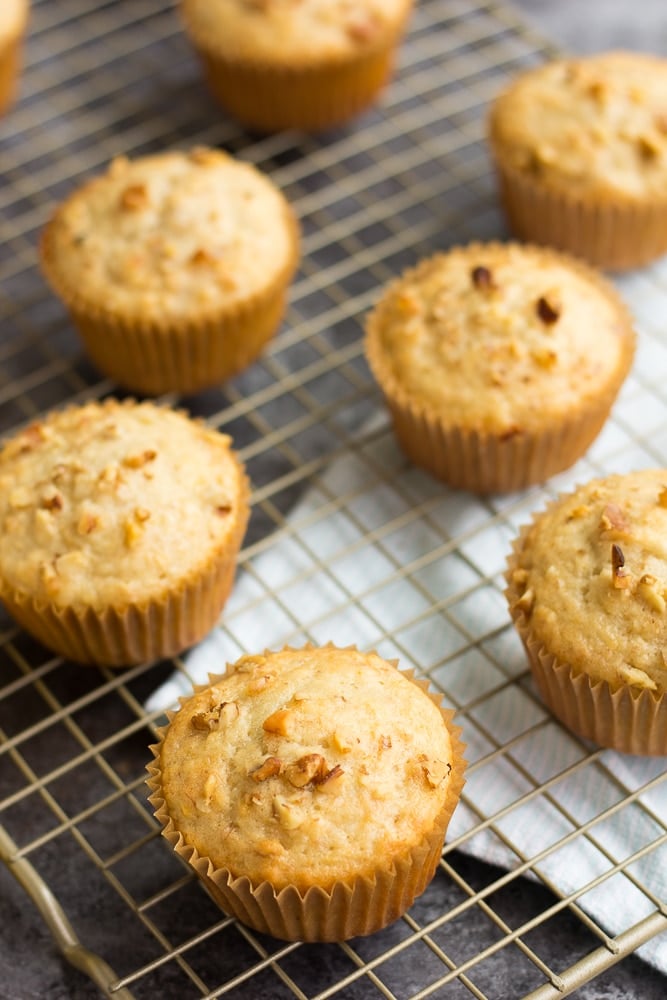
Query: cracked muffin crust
x=581 y=151
x=115 y=518
x=173 y=266
x=308 y=64
x=587 y=589
x=308 y=774
x=499 y=362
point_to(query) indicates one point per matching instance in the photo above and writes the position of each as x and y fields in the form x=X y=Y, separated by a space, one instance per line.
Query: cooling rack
x=387 y=557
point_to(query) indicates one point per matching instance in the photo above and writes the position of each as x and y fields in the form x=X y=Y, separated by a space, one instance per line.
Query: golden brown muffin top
x=176 y=235
x=590 y=577
x=499 y=337
x=306 y=766
x=13 y=17
x=115 y=503
x=293 y=32
x=595 y=125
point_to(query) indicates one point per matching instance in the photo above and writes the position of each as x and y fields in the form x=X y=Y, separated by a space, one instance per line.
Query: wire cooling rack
x=407 y=566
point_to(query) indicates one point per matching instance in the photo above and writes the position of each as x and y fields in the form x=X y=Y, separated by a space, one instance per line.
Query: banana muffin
x=310 y=789
x=309 y=64
x=580 y=147
x=499 y=362
x=587 y=590
x=121 y=525
x=174 y=267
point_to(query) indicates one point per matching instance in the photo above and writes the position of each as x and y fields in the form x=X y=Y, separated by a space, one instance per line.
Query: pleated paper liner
x=358 y=905
x=315 y=98
x=614 y=235
x=311 y=95
x=152 y=356
x=504 y=461
x=134 y=633
x=11 y=52
x=628 y=719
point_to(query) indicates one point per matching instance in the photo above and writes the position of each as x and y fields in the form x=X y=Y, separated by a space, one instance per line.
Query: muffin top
x=306 y=766
x=589 y=579
x=112 y=503
x=596 y=125
x=499 y=337
x=175 y=235
x=13 y=16
x=282 y=32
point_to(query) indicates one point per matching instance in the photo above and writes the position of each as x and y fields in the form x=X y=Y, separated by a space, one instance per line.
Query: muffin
x=587 y=590
x=173 y=267
x=580 y=147
x=276 y=64
x=13 y=23
x=499 y=362
x=310 y=789
x=121 y=524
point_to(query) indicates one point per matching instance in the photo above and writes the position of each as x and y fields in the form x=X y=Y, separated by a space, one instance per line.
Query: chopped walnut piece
x=435 y=771
x=363 y=28
x=306 y=769
x=288 y=813
x=211 y=718
x=548 y=310
x=52 y=500
x=598 y=90
x=131 y=533
x=649 y=146
x=268 y=769
x=277 y=723
x=223 y=508
x=203 y=156
x=138 y=461
x=202 y=256
x=259 y=682
x=20 y=498
x=406 y=303
x=633 y=675
x=526 y=601
x=331 y=780
x=579 y=512
x=545 y=358
x=341 y=743
x=652 y=592
x=482 y=278
x=614 y=519
x=87 y=523
x=27 y=441
x=620 y=577
x=134 y=197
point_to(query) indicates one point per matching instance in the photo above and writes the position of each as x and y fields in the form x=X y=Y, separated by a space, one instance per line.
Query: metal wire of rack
x=408 y=178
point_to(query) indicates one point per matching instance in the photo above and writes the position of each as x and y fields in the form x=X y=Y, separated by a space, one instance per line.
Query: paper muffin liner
x=356 y=906
x=142 y=631
x=310 y=95
x=10 y=68
x=615 y=235
x=627 y=718
x=151 y=356
x=496 y=462
x=312 y=98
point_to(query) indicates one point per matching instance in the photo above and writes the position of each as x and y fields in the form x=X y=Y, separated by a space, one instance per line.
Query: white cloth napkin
x=354 y=564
